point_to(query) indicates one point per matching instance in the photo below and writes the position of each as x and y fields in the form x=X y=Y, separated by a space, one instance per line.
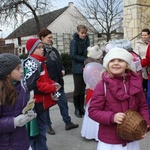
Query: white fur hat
x=119 y=53
x=94 y=52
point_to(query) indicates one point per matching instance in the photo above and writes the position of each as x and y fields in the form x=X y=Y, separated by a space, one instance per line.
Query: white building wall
x=65 y=24
x=68 y=22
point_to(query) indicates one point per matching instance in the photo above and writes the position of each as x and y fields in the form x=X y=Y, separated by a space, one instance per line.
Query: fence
x=8 y=48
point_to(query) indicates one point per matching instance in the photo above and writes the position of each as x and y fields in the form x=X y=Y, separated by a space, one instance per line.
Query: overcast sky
x=56 y=4
x=62 y=3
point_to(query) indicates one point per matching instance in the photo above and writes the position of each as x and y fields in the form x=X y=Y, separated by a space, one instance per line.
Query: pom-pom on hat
x=94 y=52
x=119 y=53
x=8 y=62
x=31 y=44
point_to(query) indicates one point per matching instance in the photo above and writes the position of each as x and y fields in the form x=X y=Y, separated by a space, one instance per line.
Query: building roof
x=29 y=27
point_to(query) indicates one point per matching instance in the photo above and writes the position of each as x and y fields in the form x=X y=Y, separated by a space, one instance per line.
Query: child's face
x=117 y=67
x=82 y=34
x=16 y=74
x=39 y=50
x=48 y=39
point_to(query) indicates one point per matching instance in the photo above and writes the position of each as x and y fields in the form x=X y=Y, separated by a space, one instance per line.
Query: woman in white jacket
x=140 y=49
x=141 y=45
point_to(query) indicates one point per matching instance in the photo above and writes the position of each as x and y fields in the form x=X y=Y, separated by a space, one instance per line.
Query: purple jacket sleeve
x=6 y=124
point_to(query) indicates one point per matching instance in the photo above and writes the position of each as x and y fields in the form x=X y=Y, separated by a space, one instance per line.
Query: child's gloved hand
x=21 y=120
x=31 y=114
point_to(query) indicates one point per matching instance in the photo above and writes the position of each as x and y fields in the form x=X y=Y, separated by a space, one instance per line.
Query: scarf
x=50 y=52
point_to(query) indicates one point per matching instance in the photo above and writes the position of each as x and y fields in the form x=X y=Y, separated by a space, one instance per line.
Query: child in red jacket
x=37 y=79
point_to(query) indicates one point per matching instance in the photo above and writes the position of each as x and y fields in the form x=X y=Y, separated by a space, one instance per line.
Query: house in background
x=62 y=22
x=7 y=48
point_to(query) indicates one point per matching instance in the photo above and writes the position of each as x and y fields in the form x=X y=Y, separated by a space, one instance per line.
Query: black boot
x=78 y=113
x=81 y=108
x=82 y=111
x=77 y=107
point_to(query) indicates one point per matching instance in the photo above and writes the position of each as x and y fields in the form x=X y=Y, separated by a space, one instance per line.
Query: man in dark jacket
x=56 y=72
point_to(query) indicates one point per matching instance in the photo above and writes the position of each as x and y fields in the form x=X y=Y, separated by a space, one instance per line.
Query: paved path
x=72 y=140
x=68 y=83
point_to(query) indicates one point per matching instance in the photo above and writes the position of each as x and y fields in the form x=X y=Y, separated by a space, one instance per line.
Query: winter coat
x=119 y=95
x=78 y=53
x=40 y=82
x=11 y=137
x=145 y=62
x=54 y=65
x=140 y=48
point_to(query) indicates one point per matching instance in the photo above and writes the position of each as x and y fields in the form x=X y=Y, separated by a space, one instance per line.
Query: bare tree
x=17 y=10
x=105 y=15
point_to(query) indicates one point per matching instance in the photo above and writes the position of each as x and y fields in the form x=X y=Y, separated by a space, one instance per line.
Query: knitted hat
x=119 y=53
x=31 y=44
x=8 y=62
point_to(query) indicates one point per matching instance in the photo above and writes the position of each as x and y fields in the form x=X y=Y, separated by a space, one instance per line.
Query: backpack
x=30 y=65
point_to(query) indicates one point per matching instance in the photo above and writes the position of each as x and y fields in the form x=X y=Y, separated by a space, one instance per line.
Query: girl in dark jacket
x=13 y=98
x=119 y=90
x=78 y=54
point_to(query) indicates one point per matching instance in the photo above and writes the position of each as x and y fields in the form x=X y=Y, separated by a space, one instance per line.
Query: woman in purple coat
x=119 y=90
x=13 y=98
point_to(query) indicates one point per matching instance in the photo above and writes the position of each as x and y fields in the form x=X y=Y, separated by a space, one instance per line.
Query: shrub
x=23 y=56
x=66 y=62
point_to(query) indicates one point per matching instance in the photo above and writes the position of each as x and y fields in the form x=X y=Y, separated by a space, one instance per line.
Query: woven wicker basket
x=132 y=127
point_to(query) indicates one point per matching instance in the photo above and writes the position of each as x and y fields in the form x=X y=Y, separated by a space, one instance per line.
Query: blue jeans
x=148 y=97
x=63 y=106
x=38 y=142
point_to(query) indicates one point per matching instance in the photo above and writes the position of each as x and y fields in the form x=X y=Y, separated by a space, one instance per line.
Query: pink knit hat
x=31 y=44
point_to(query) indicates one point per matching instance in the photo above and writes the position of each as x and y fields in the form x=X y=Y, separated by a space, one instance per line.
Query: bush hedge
x=66 y=62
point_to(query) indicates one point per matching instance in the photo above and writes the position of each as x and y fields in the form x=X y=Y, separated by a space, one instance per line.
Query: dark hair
x=146 y=30
x=44 y=32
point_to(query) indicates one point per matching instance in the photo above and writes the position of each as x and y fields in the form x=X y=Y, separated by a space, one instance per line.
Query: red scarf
x=40 y=58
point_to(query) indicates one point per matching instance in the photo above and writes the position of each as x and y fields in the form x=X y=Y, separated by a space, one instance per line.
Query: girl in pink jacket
x=119 y=90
